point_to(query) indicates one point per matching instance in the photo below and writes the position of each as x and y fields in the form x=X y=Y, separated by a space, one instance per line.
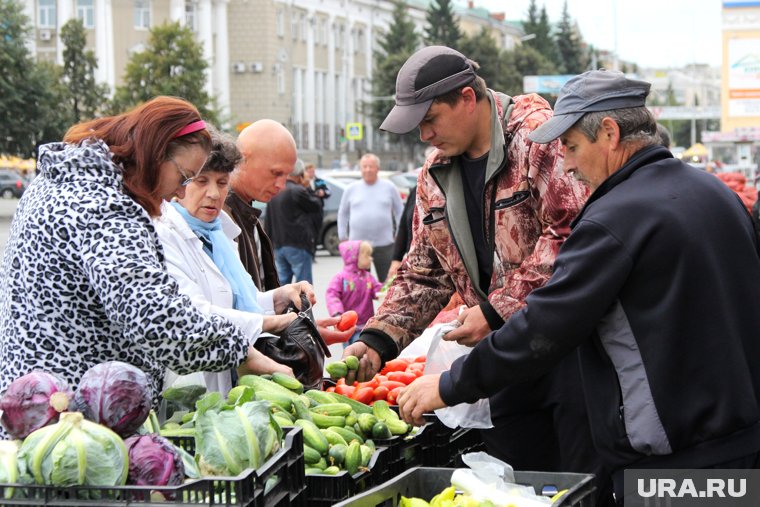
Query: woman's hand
x=330 y=333
x=277 y=323
x=258 y=364
x=283 y=296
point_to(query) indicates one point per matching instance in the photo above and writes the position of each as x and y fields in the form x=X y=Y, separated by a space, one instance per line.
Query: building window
x=86 y=12
x=338 y=36
x=191 y=15
x=142 y=14
x=302 y=26
x=359 y=47
x=280 y=79
x=324 y=32
x=294 y=26
x=47 y=14
x=280 y=23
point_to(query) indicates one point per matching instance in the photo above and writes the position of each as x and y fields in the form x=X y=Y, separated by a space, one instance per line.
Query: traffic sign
x=354 y=131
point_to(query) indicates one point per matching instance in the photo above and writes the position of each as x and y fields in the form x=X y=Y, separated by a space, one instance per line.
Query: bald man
x=269 y=155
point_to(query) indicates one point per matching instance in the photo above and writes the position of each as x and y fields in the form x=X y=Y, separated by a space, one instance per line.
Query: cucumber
x=333 y=409
x=347 y=434
x=352 y=362
x=353 y=457
x=321 y=397
x=313 y=471
x=383 y=411
x=366 y=422
x=302 y=412
x=288 y=382
x=333 y=438
x=380 y=430
x=337 y=454
x=359 y=407
x=310 y=455
x=282 y=421
x=326 y=421
x=337 y=369
x=331 y=470
x=366 y=455
x=312 y=436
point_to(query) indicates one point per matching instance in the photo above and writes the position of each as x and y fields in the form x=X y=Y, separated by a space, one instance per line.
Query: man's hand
x=331 y=335
x=473 y=329
x=369 y=362
x=283 y=296
x=257 y=363
x=277 y=323
x=418 y=398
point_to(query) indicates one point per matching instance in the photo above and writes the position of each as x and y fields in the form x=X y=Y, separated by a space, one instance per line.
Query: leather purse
x=299 y=346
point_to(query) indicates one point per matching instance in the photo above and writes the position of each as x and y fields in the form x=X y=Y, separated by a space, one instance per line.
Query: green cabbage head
x=73 y=452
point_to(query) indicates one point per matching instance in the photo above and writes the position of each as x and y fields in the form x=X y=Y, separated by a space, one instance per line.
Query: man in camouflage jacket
x=492 y=251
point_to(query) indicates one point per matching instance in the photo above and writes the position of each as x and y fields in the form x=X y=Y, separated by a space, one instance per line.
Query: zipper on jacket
x=516 y=198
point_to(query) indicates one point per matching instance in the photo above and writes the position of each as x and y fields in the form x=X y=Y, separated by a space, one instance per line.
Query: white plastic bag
x=489 y=478
x=439 y=358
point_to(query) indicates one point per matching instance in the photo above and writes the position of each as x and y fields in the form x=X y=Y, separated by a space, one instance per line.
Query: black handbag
x=299 y=346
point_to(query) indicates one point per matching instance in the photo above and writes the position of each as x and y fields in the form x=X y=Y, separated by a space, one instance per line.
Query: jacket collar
x=171 y=217
x=645 y=156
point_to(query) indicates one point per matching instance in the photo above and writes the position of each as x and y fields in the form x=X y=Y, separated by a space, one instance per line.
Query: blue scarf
x=225 y=258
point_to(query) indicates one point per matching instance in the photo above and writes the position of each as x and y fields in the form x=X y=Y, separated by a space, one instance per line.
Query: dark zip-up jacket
x=289 y=219
x=655 y=288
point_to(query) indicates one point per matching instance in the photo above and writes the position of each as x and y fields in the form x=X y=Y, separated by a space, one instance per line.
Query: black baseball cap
x=430 y=72
x=595 y=90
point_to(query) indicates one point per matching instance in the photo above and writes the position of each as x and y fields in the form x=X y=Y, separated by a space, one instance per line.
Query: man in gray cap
x=650 y=291
x=492 y=211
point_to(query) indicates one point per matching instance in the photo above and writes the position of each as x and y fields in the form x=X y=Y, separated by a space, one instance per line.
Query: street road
x=325 y=267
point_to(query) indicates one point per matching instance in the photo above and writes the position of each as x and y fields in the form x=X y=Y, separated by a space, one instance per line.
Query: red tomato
x=404 y=377
x=372 y=383
x=363 y=395
x=380 y=393
x=395 y=365
x=341 y=381
x=391 y=384
x=415 y=366
x=392 y=395
x=420 y=359
x=381 y=378
x=330 y=389
x=344 y=389
x=347 y=320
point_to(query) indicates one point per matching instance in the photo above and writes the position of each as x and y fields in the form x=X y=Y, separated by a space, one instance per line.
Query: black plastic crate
x=278 y=482
x=325 y=490
x=425 y=483
x=406 y=451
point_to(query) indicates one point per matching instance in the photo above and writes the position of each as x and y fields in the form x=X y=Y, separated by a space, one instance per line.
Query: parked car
x=12 y=184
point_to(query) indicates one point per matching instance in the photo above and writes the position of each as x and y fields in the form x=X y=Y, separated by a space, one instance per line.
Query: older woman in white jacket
x=198 y=241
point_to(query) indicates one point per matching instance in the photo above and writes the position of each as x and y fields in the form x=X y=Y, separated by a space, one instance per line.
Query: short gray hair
x=298 y=169
x=637 y=125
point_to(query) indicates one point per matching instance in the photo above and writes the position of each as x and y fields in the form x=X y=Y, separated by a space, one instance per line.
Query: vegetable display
x=33 y=401
x=73 y=451
x=116 y=395
x=9 y=464
x=386 y=385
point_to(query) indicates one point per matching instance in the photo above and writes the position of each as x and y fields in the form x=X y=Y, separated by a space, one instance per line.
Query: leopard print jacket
x=83 y=281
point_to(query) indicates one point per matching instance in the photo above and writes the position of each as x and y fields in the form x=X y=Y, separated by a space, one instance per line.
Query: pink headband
x=190 y=128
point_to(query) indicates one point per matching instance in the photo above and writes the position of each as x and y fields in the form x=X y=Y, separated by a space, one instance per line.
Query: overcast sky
x=651 y=33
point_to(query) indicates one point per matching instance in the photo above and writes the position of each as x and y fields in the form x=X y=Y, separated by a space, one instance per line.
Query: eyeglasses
x=187 y=179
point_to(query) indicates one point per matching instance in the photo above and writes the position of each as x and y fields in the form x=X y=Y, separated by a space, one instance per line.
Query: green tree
x=482 y=49
x=524 y=60
x=86 y=96
x=539 y=26
x=573 y=60
x=172 y=64
x=30 y=93
x=395 y=47
x=442 y=25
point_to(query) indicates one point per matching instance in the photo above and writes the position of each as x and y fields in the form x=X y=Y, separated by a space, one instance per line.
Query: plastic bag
x=440 y=356
x=489 y=478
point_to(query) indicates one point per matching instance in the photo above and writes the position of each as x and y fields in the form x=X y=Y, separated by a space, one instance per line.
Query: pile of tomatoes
x=386 y=385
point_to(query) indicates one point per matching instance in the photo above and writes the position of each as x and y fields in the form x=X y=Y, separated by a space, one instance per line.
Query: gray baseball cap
x=595 y=90
x=430 y=72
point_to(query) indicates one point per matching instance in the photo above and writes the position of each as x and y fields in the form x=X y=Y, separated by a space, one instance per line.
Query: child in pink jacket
x=354 y=288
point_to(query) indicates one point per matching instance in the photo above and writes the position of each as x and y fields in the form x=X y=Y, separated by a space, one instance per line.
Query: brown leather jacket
x=247 y=218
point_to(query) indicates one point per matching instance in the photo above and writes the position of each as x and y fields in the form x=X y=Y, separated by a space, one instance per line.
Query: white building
x=304 y=63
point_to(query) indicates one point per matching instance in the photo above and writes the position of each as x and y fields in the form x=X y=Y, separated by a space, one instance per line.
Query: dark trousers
x=543 y=426
x=382 y=256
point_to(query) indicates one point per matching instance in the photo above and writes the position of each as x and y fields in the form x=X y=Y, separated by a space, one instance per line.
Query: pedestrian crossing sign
x=354 y=131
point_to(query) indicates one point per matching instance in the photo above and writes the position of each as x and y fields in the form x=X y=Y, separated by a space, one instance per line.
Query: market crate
x=425 y=483
x=324 y=490
x=406 y=451
x=278 y=482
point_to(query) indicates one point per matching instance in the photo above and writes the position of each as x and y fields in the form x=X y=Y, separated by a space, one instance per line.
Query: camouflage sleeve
x=421 y=288
x=558 y=199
